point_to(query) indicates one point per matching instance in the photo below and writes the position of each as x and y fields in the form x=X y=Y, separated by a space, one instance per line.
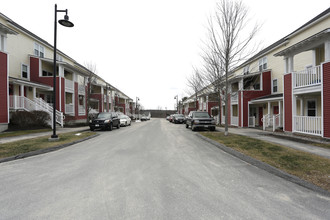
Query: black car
x=105 y=120
x=198 y=119
x=178 y=118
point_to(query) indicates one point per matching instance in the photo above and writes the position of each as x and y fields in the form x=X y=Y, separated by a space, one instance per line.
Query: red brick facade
x=326 y=100
x=287 y=96
x=249 y=95
x=3 y=88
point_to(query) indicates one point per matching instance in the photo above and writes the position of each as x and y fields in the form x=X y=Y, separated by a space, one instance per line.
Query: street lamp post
x=177 y=103
x=66 y=23
x=136 y=107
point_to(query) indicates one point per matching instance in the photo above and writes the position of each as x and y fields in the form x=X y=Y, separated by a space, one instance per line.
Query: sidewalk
x=59 y=130
x=284 y=139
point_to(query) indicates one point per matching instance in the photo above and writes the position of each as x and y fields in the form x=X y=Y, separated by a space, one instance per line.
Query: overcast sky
x=146 y=48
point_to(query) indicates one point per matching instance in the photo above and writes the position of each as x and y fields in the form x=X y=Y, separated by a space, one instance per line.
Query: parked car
x=198 y=119
x=105 y=120
x=178 y=118
x=124 y=120
x=143 y=118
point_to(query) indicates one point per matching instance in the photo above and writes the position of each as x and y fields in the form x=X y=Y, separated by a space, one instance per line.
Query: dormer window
x=39 y=50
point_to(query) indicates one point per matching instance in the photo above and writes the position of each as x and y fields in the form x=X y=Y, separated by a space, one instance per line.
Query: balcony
x=308 y=77
x=69 y=86
x=307 y=125
x=81 y=89
x=69 y=109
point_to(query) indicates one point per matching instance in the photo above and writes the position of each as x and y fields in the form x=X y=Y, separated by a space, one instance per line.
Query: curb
x=43 y=151
x=267 y=167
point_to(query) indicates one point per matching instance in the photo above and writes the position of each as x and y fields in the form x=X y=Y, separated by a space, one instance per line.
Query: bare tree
x=229 y=39
x=213 y=74
x=91 y=77
x=195 y=83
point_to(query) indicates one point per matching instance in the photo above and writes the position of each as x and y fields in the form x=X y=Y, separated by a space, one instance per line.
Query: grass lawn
x=310 y=167
x=18 y=133
x=24 y=146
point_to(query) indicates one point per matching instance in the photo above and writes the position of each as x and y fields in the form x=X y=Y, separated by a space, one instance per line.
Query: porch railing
x=69 y=109
x=307 y=77
x=307 y=125
x=273 y=121
x=234 y=120
x=252 y=121
x=38 y=104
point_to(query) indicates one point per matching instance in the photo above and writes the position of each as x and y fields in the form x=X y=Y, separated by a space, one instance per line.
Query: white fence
x=310 y=76
x=273 y=121
x=307 y=125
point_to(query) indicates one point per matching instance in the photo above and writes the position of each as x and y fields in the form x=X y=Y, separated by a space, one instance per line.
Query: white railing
x=38 y=104
x=307 y=125
x=204 y=106
x=81 y=110
x=252 y=121
x=81 y=89
x=307 y=77
x=234 y=120
x=69 y=85
x=69 y=109
x=234 y=97
x=273 y=121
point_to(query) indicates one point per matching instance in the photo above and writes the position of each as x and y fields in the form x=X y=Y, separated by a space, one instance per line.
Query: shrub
x=22 y=120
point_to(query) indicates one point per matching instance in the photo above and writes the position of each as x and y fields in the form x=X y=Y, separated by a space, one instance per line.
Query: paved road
x=151 y=170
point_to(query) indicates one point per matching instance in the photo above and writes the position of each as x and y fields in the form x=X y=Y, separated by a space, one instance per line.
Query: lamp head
x=65 y=22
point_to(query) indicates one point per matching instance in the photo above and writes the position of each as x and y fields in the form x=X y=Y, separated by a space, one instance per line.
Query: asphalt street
x=150 y=170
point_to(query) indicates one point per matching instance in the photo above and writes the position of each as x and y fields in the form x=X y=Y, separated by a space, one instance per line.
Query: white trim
x=322 y=104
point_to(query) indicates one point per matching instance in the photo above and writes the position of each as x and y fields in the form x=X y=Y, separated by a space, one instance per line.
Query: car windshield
x=103 y=115
x=178 y=115
x=122 y=116
x=201 y=115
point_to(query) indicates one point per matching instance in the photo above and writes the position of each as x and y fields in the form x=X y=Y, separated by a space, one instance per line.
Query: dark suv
x=198 y=119
x=105 y=120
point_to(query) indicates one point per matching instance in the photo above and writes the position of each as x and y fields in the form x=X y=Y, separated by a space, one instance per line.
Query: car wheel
x=118 y=125
x=110 y=127
x=187 y=126
x=92 y=129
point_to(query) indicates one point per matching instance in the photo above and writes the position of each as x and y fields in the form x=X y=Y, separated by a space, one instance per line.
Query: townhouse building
x=283 y=86
x=26 y=79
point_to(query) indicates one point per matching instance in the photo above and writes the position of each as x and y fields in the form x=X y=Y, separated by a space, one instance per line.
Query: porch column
x=34 y=92
x=21 y=87
x=294 y=112
x=280 y=112
x=301 y=107
x=268 y=108
x=290 y=64
x=327 y=50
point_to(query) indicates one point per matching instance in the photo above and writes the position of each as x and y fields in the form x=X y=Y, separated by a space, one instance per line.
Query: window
x=311 y=108
x=46 y=73
x=274 y=85
x=25 y=71
x=263 y=63
x=39 y=50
